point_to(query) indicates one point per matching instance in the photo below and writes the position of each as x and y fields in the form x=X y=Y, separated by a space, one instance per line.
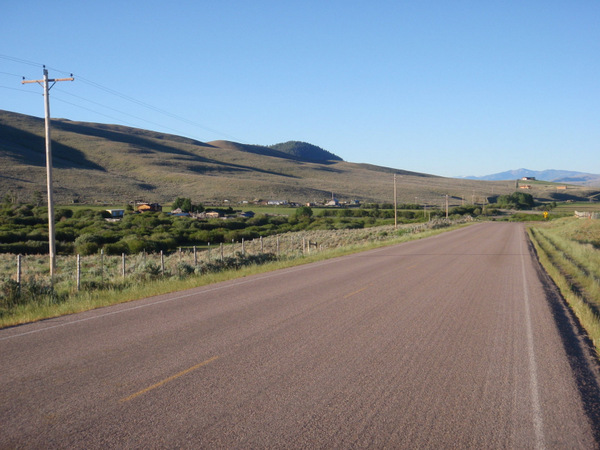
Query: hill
x=305 y=151
x=117 y=164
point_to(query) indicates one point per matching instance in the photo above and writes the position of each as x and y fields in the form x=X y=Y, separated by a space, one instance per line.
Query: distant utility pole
x=44 y=83
x=446 y=206
x=395 y=205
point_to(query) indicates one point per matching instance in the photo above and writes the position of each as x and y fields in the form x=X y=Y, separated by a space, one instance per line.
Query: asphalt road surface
x=452 y=341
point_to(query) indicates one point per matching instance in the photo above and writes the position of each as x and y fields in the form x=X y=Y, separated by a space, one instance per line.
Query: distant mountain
x=556 y=176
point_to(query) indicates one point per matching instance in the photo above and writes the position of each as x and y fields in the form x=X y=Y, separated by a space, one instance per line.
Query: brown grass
x=118 y=164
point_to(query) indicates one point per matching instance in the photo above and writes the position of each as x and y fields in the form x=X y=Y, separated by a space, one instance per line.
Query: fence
x=100 y=268
x=587 y=215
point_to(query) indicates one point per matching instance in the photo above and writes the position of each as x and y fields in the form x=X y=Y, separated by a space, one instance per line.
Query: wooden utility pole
x=446 y=206
x=44 y=83
x=395 y=205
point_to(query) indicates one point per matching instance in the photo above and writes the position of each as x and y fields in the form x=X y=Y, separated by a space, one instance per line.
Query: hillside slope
x=113 y=163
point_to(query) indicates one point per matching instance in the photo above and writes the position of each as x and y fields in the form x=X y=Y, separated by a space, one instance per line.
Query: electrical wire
x=181 y=133
x=123 y=97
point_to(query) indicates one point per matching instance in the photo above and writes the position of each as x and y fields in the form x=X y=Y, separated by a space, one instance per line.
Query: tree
x=304 y=212
x=186 y=205
x=517 y=200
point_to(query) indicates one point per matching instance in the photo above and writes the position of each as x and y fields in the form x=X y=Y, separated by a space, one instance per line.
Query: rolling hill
x=117 y=164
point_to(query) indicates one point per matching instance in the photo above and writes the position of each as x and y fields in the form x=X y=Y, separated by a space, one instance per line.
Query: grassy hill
x=118 y=164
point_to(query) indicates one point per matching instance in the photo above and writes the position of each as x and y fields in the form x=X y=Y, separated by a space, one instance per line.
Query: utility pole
x=395 y=205
x=44 y=83
x=446 y=206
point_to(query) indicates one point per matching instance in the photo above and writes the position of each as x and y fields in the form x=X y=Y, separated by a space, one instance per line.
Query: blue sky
x=443 y=87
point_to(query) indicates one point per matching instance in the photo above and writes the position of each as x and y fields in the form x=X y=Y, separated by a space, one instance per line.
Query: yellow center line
x=356 y=292
x=166 y=380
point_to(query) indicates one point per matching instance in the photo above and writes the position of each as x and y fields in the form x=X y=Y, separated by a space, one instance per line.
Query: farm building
x=148 y=207
x=116 y=213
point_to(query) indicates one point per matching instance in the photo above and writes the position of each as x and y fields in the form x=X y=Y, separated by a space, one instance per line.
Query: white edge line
x=538 y=420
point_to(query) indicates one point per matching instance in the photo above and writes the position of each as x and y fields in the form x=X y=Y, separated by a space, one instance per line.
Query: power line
x=22 y=61
x=12 y=74
x=18 y=90
x=113 y=109
x=129 y=99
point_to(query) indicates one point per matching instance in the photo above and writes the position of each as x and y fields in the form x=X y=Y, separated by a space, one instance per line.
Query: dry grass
x=118 y=164
x=569 y=250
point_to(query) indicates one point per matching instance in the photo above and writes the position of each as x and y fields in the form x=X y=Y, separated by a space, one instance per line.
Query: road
x=451 y=341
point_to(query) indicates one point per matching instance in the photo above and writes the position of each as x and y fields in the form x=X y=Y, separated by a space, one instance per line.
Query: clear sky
x=443 y=87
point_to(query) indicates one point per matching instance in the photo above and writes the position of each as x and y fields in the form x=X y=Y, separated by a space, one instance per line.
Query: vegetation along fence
x=75 y=272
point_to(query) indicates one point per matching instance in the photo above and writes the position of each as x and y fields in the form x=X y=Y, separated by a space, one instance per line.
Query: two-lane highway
x=451 y=341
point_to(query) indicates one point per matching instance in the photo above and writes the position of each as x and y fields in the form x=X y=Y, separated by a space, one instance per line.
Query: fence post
x=78 y=272
x=261 y=245
x=222 y=255
x=195 y=257
x=19 y=273
x=162 y=263
x=278 y=246
x=180 y=254
x=102 y=266
x=243 y=251
x=209 y=251
x=123 y=263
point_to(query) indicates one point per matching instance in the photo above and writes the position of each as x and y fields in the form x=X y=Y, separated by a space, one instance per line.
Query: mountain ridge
x=552 y=175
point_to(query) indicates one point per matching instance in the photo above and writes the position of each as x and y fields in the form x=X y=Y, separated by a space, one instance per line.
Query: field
x=570 y=208
x=569 y=250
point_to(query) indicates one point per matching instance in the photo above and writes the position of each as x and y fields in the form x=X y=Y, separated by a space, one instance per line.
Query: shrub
x=87 y=248
x=184 y=269
x=116 y=249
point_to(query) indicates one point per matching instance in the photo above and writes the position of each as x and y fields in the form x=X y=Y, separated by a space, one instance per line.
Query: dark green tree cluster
x=24 y=228
x=186 y=205
x=516 y=200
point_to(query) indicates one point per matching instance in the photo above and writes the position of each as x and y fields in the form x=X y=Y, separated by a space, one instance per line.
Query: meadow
x=569 y=250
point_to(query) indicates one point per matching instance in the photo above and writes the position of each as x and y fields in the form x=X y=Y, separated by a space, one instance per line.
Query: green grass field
x=562 y=208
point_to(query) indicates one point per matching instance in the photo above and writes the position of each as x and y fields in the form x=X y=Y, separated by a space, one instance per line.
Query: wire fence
x=99 y=269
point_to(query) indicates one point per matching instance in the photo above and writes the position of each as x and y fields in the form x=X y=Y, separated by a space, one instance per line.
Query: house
x=148 y=207
x=212 y=214
x=116 y=213
x=179 y=213
x=528 y=178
